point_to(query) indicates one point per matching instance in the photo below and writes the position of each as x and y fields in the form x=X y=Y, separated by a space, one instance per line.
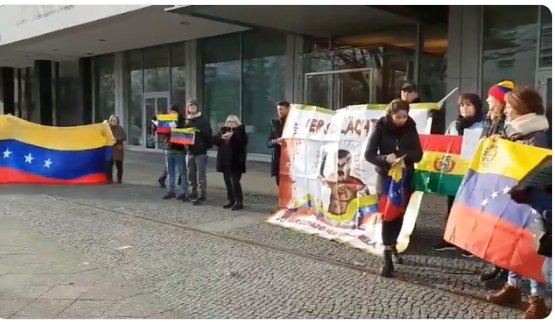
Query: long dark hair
x=475 y=101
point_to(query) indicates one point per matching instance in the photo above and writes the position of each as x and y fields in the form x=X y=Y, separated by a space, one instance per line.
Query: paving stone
x=9 y=306
x=65 y=292
x=82 y=309
x=42 y=309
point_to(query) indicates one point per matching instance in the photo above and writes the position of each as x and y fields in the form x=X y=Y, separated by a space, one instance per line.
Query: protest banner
x=326 y=185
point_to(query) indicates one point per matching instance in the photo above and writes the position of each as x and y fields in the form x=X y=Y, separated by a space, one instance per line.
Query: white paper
x=471 y=138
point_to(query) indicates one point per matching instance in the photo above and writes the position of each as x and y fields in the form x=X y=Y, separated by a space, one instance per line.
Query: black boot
x=387 y=268
x=490 y=274
x=396 y=255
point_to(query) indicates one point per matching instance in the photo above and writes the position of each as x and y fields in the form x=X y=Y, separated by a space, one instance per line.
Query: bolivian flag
x=33 y=153
x=486 y=221
x=441 y=169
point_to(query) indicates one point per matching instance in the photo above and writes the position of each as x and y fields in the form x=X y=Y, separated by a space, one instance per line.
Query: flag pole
x=440 y=103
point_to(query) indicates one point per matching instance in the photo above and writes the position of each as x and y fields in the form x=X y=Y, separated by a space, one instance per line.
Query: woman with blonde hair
x=231 y=160
x=117 y=151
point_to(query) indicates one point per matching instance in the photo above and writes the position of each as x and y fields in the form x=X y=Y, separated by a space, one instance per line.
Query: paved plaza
x=117 y=251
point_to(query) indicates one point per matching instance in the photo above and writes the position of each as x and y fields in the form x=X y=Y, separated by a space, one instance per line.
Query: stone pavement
x=203 y=262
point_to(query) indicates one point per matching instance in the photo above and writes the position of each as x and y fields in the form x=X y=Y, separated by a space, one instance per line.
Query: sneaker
x=162 y=182
x=192 y=197
x=228 y=205
x=237 y=206
x=168 y=196
x=199 y=201
x=182 y=197
x=443 y=245
x=490 y=274
x=466 y=254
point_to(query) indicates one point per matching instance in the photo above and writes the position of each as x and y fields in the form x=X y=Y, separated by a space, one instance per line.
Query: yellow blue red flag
x=33 y=153
x=485 y=220
x=393 y=200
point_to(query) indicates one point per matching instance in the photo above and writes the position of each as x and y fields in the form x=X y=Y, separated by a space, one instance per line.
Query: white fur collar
x=528 y=123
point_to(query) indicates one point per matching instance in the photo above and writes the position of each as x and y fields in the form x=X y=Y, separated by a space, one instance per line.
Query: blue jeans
x=535 y=287
x=176 y=160
x=546 y=270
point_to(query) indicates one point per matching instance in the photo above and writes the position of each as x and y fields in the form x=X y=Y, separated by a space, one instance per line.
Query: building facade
x=70 y=65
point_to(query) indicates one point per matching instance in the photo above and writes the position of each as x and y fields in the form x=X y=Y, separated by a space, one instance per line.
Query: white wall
x=25 y=22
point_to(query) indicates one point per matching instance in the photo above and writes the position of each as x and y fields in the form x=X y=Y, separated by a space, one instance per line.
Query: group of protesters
x=514 y=113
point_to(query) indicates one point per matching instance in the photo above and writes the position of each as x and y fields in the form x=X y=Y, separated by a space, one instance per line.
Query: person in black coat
x=274 y=139
x=231 y=160
x=395 y=136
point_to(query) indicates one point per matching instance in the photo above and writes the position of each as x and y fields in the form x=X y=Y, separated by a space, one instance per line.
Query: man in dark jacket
x=409 y=93
x=274 y=139
x=196 y=153
x=175 y=159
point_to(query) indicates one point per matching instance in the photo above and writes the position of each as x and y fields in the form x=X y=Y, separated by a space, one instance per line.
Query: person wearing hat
x=494 y=124
x=197 y=157
x=495 y=120
x=409 y=93
x=175 y=159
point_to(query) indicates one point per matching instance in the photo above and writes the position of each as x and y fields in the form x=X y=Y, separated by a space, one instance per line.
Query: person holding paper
x=231 y=160
x=470 y=117
x=394 y=139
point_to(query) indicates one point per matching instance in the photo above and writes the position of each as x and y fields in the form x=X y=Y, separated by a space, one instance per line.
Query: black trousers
x=391 y=230
x=232 y=181
x=119 y=168
x=450 y=202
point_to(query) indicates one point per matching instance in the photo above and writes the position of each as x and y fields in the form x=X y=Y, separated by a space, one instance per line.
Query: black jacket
x=180 y=123
x=276 y=130
x=387 y=139
x=203 y=135
x=232 y=155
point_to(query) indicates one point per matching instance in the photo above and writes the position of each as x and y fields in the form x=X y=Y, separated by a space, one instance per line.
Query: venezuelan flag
x=485 y=220
x=33 y=153
x=163 y=123
x=392 y=201
x=441 y=169
x=183 y=136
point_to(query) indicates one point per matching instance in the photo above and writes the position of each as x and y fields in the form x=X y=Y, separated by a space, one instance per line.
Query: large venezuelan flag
x=485 y=220
x=33 y=153
x=441 y=169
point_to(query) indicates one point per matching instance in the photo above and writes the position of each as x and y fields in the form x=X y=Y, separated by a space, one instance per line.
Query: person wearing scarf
x=470 y=117
x=117 y=150
x=528 y=125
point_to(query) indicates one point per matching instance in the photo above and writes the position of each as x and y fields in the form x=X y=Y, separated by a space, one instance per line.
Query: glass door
x=544 y=87
x=338 y=89
x=153 y=103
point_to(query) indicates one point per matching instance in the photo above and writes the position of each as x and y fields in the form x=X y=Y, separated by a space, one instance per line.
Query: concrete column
x=7 y=104
x=464 y=54
x=193 y=71
x=119 y=85
x=43 y=91
x=85 y=75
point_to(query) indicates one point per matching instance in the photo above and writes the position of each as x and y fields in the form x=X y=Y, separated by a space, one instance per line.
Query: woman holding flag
x=528 y=125
x=394 y=147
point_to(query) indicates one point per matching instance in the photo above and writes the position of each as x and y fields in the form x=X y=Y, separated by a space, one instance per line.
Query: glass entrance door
x=153 y=103
x=338 y=89
x=544 y=87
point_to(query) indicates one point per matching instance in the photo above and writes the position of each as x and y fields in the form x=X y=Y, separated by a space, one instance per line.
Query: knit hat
x=499 y=90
